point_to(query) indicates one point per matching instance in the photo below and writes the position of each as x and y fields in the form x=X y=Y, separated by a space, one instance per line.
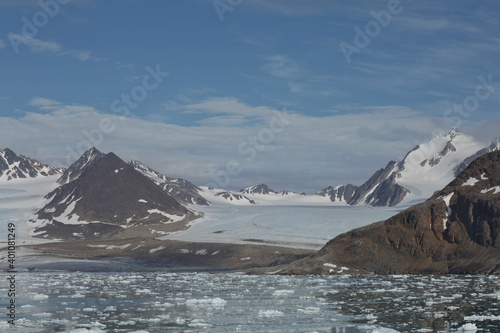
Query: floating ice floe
x=270 y=313
x=482 y=318
x=467 y=328
x=207 y=302
x=283 y=292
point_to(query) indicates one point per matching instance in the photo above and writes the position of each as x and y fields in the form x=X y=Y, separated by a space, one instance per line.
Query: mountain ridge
x=181 y=189
x=424 y=169
x=13 y=166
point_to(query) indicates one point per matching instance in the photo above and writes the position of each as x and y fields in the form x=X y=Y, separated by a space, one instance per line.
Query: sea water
x=203 y=302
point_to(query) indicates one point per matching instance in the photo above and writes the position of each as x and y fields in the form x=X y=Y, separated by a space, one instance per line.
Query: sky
x=297 y=94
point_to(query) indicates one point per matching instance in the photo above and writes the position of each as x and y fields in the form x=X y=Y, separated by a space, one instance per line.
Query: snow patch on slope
x=470 y=182
x=496 y=189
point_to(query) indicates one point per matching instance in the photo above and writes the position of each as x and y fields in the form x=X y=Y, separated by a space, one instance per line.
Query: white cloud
x=37 y=45
x=281 y=66
x=2 y=44
x=43 y=103
x=56 y=107
x=227 y=106
x=80 y=55
x=307 y=155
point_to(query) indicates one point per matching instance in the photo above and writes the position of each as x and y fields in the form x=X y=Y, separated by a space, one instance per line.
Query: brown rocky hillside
x=457 y=230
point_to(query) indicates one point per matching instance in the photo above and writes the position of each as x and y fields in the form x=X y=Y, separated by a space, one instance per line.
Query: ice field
x=190 y=302
x=299 y=226
x=308 y=227
x=19 y=200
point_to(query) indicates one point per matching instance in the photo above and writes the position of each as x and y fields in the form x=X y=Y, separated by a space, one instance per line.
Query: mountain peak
x=76 y=169
x=7 y=151
x=109 y=191
x=454 y=132
x=15 y=167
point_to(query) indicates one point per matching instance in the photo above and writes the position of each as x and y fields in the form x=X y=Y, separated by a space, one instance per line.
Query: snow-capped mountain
x=76 y=169
x=432 y=165
x=181 y=189
x=424 y=170
x=106 y=198
x=16 y=167
x=262 y=195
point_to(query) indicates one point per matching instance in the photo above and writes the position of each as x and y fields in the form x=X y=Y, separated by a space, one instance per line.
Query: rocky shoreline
x=146 y=254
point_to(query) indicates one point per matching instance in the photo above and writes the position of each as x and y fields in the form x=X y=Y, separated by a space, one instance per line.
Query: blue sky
x=225 y=70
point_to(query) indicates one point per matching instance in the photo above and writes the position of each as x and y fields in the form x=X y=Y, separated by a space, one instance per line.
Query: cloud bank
x=301 y=153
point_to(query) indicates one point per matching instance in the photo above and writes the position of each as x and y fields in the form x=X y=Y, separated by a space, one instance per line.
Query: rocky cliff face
x=455 y=231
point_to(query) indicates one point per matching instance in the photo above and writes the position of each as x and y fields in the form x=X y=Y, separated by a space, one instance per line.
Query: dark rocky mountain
x=381 y=189
x=457 y=230
x=235 y=197
x=338 y=194
x=76 y=169
x=17 y=167
x=181 y=189
x=110 y=192
x=258 y=189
